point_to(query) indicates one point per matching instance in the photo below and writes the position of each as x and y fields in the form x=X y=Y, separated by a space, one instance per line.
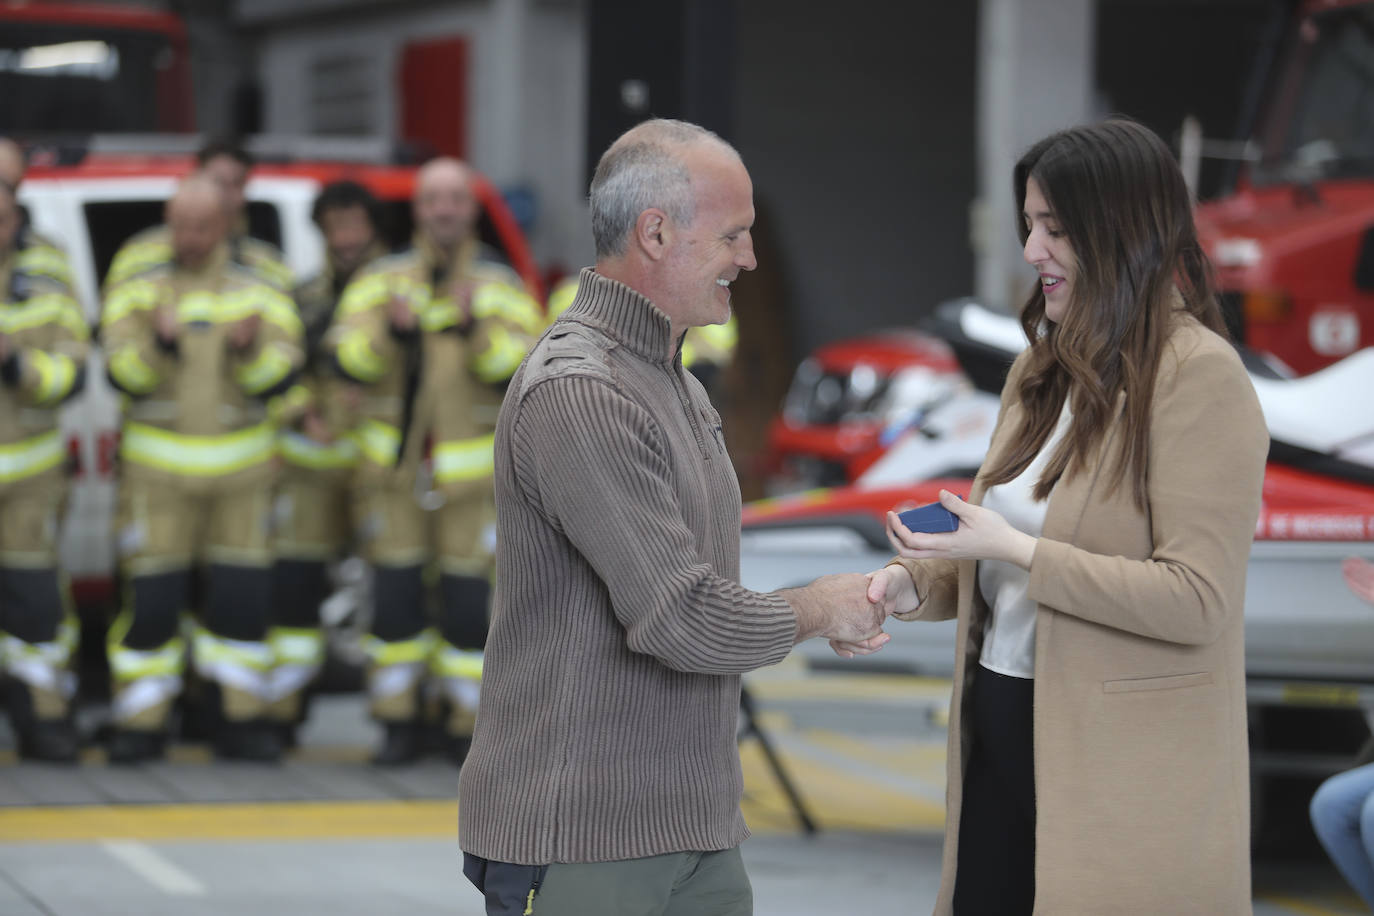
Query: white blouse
x=1009 y=641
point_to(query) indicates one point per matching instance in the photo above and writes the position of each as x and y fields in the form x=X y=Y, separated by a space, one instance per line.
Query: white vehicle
x=1309 y=641
x=92 y=207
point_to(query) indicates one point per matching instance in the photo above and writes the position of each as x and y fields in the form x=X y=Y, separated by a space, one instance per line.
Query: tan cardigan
x=1141 y=778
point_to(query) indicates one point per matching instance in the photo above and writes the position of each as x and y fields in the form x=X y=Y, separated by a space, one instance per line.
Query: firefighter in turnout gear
x=228 y=167
x=35 y=255
x=433 y=334
x=203 y=348
x=43 y=343
x=706 y=350
x=313 y=524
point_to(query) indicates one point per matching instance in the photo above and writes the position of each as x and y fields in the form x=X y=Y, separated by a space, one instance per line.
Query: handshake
x=849 y=609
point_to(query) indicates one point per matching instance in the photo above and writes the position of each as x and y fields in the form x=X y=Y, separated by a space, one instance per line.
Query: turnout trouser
x=37 y=633
x=312 y=526
x=409 y=641
x=164 y=533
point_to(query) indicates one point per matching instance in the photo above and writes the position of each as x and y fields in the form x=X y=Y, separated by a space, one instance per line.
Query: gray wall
x=857 y=124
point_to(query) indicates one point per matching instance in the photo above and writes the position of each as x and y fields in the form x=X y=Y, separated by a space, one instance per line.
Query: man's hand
x=315 y=429
x=351 y=397
x=1359 y=575
x=401 y=316
x=463 y=293
x=165 y=323
x=982 y=535
x=837 y=607
x=243 y=332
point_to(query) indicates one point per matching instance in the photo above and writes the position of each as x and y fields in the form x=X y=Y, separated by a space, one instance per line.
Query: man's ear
x=652 y=233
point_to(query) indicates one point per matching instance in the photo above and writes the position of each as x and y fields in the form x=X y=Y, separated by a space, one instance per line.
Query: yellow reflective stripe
x=500 y=300
x=357 y=357
x=31 y=456
x=296 y=645
x=136 y=258
x=453 y=662
x=131 y=372
x=271 y=366
x=363 y=294
x=270 y=303
x=402 y=652
x=136 y=295
x=202 y=306
x=318 y=456
x=272 y=271
x=56 y=373
x=724 y=335
x=55 y=653
x=293 y=400
x=47 y=262
x=201 y=456
x=210 y=649
x=379 y=442
x=131 y=664
x=465 y=459
x=502 y=356
x=561 y=297
x=43 y=309
x=439 y=314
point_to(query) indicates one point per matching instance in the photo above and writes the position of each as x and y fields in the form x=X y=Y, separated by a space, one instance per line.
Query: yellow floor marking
x=924 y=761
x=1309 y=909
x=835 y=799
x=276 y=820
x=847 y=687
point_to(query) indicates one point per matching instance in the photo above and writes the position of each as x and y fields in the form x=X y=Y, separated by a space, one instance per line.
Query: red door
x=434 y=95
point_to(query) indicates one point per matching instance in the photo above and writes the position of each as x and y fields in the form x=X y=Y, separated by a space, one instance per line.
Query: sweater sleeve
x=1208 y=445
x=597 y=460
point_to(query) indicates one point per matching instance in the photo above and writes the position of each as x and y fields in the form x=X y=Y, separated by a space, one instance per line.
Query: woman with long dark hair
x=1097 y=751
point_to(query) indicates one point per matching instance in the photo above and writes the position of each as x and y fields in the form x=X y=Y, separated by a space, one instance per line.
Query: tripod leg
x=751 y=727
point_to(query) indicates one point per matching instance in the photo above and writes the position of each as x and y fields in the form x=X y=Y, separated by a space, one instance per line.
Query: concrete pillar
x=507 y=46
x=1035 y=76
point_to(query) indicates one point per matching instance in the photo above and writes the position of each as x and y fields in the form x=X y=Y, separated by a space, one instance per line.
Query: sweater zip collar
x=625 y=315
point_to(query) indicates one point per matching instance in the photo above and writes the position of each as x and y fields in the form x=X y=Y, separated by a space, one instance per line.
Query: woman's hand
x=982 y=535
x=891 y=590
x=1359 y=575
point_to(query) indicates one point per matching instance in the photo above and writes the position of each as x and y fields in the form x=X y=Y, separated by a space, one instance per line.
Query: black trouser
x=996 y=870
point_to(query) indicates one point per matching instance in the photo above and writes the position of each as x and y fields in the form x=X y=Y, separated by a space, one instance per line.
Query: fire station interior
x=871 y=345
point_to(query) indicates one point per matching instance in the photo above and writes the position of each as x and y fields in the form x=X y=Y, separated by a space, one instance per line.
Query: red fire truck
x=1293 y=241
x=92 y=68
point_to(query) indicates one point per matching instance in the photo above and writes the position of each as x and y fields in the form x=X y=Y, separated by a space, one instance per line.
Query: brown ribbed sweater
x=610 y=692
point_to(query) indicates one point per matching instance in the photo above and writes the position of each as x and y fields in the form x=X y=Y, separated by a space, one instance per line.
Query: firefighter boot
x=244 y=732
x=39 y=718
x=138 y=736
x=458 y=673
x=403 y=733
x=128 y=746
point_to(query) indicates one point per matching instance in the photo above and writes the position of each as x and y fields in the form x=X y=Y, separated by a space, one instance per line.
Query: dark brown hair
x=1116 y=191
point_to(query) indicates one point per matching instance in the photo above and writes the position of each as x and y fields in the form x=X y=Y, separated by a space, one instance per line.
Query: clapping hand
x=243 y=332
x=165 y=323
x=401 y=315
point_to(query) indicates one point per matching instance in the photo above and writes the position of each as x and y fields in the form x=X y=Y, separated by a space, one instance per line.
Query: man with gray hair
x=604 y=775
